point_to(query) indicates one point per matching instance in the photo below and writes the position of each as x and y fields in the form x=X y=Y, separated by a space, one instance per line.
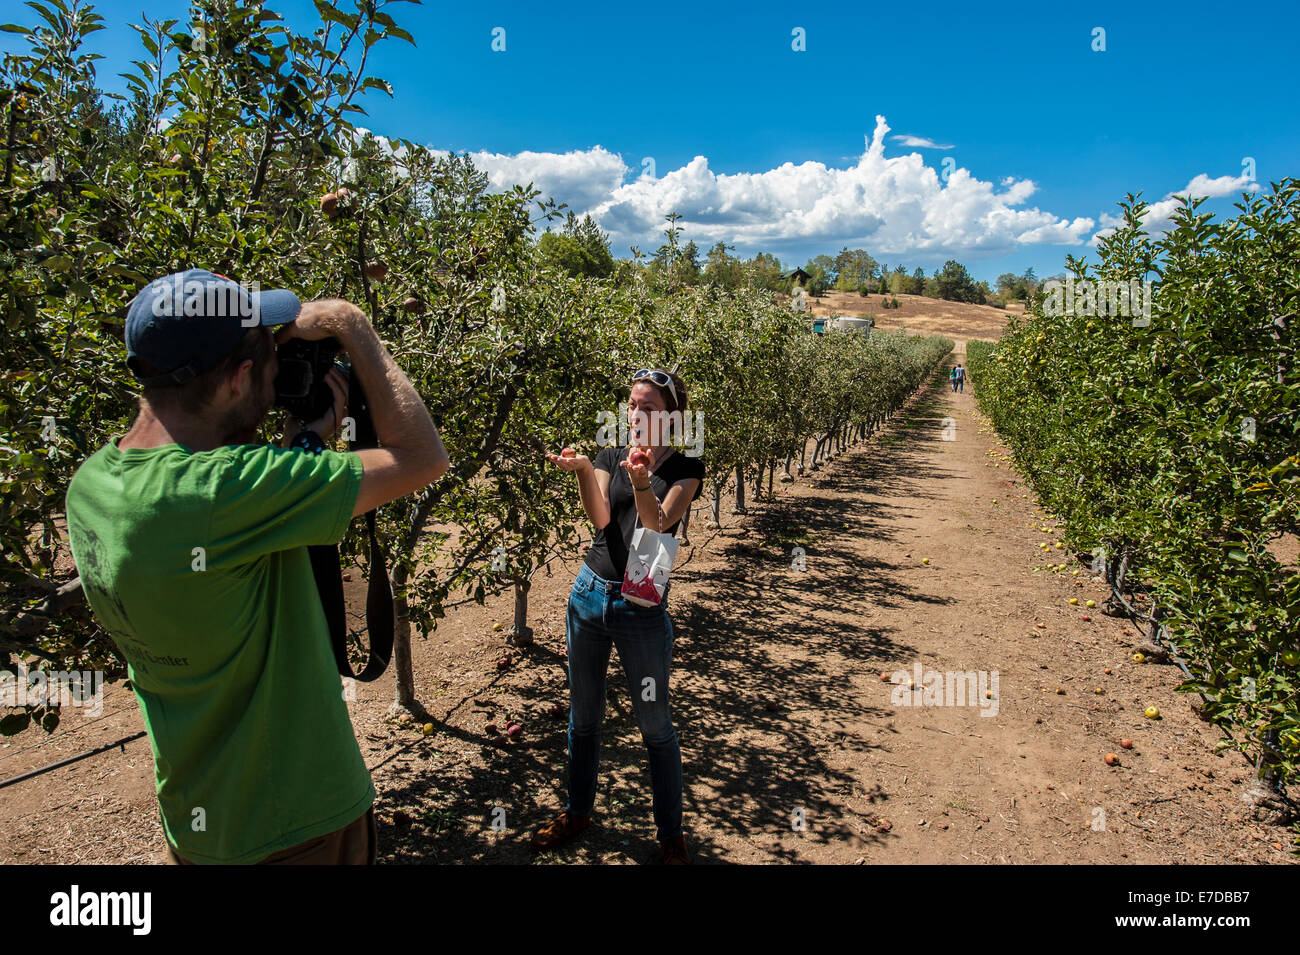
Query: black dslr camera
x=300 y=386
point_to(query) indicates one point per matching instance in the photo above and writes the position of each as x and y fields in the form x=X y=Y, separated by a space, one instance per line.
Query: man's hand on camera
x=323 y=318
x=329 y=422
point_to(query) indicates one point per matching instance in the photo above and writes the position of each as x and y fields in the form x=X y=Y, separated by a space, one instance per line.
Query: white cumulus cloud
x=918 y=142
x=889 y=205
x=1158 y=218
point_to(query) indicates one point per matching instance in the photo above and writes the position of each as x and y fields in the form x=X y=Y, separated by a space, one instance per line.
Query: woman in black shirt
x=617 y=493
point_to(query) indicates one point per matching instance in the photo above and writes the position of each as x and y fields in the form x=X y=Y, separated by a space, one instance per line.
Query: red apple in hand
x=639 y=457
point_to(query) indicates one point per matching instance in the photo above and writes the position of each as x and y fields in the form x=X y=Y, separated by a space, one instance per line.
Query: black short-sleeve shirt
x=608 y=554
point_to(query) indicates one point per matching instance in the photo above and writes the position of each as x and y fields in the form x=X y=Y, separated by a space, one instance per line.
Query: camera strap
x=325 y=567
x=379 y=605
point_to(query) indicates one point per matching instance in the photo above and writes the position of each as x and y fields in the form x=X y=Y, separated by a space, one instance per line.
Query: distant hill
x=917 y=314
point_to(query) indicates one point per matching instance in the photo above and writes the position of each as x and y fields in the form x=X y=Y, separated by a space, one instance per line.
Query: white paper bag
x=648 y=564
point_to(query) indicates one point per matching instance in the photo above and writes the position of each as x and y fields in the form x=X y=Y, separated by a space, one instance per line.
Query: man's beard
x=241 y=423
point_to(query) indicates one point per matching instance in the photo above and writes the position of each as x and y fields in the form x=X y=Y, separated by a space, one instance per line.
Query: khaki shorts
x=354 y=844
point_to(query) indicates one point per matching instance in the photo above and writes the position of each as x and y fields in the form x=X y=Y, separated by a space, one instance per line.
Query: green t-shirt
x=227 y=645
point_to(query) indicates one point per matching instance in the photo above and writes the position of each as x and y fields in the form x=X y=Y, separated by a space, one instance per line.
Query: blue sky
x=769 y=148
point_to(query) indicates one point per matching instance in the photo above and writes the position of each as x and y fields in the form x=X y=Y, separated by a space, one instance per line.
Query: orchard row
x=1168 y=447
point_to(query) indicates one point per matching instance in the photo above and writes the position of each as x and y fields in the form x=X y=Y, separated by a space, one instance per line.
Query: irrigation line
x=71 y=759
x=46 y=742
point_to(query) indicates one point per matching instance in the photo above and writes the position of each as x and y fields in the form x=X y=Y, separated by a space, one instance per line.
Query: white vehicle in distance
x=843 y=323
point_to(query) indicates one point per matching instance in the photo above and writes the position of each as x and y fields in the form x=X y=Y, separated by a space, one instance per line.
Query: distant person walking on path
x=959 y=378
x=952 y=377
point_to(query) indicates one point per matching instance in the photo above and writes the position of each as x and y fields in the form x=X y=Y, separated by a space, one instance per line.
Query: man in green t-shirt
x=191 y=541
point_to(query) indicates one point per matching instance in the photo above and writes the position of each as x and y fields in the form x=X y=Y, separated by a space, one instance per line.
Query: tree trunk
x=404 y=674
x=684 y=529
x=403 y=671
x=771 y=476
x=521 y=635
x=715 y=514
x=740 y=489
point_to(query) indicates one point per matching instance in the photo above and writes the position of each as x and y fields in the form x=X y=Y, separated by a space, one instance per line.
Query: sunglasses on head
x=658 y=377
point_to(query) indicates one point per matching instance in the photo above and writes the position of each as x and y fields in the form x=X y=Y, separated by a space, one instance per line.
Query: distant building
x=800 y=277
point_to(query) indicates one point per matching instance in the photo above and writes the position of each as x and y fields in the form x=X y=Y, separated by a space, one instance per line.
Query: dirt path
x=779 y=701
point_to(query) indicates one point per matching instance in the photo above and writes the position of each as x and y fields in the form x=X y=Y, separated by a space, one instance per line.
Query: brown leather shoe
x=674 y=851
x=560 y=829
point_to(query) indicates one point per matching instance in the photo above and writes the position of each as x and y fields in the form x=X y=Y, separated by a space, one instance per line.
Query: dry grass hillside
x=917 y=314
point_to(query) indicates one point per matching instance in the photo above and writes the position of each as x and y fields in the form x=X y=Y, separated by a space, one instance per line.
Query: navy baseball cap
x=186 y=323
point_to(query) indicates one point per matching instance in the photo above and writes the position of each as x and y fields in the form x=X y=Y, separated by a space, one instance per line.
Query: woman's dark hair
x=193 y=396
